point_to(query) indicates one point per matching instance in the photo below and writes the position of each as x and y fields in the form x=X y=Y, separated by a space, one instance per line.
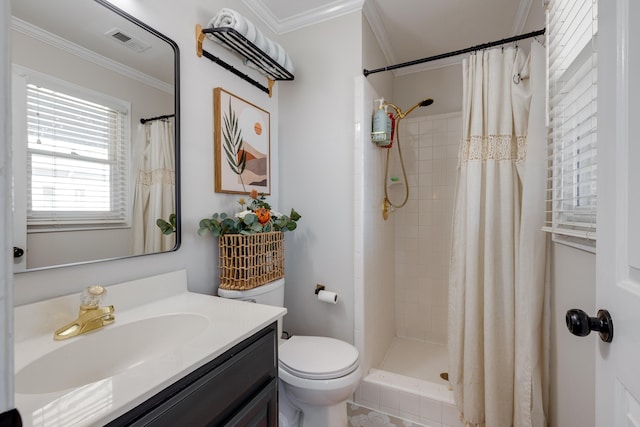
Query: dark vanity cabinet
x=238 y=388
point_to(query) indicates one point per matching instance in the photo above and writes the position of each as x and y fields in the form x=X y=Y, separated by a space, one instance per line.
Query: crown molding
x=372 y=15
x=329 y=11
x=84 y=53
x=524 y=8
x=338 y=8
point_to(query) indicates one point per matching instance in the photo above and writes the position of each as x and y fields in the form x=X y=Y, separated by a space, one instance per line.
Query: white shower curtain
x=155 y=189
x=491 y=324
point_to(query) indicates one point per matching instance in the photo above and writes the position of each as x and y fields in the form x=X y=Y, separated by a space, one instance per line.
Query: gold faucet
x=90 y=317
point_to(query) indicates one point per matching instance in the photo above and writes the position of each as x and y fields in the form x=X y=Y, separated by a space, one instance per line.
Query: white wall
x=198 y=77
x=372 y=58
x=572 y=363
x=316 y=172
x=443 y=85
x=375 y=241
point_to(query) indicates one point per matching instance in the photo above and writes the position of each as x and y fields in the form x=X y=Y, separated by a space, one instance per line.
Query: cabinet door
x=261 y=411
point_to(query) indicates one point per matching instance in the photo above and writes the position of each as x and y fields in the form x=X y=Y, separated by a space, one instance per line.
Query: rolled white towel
x=288 y=63
x=279 y=54
x=229 y=18
x=271 y=47
x=232 y=19
x=260 y=40
x=251 y=32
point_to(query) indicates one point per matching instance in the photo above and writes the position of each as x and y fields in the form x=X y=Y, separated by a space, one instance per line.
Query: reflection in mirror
x=96 y=134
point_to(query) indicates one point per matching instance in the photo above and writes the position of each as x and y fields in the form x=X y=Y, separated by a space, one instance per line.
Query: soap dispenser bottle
x=381 y=127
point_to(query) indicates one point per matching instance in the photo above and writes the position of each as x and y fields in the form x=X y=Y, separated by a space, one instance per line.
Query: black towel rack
x=239 y=44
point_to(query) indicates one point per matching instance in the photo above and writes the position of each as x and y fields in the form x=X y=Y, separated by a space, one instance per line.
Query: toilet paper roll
x=328 y=296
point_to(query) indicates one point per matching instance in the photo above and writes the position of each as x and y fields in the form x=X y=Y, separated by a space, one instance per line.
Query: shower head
x=401 y=115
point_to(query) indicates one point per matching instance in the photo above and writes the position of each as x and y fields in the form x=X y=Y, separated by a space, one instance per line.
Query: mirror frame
x=176 y=96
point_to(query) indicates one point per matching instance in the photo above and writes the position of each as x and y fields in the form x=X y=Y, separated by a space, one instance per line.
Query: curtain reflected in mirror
x=154 y=196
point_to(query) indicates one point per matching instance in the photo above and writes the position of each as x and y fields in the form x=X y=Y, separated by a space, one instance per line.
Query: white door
x=19 y=187
x=618 y=246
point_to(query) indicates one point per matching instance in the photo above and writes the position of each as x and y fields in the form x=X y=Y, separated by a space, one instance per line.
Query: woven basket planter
x=249 y=261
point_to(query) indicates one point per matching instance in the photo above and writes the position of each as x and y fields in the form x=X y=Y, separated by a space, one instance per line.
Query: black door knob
x=579 y=323
x=17 y=252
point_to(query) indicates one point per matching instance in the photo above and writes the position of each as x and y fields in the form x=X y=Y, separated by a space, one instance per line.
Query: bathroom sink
x=106 y=352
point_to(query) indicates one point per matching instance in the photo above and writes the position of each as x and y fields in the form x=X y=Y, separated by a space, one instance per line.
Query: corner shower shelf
x=239 y=44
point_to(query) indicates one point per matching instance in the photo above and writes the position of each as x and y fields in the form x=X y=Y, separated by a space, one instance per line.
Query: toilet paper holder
x=326 y=296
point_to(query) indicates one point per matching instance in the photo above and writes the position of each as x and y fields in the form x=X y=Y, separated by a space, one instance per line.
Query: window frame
x=120 y=192
x=565 y=217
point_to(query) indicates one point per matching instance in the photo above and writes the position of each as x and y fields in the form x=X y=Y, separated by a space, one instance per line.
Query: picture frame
x=242 y=144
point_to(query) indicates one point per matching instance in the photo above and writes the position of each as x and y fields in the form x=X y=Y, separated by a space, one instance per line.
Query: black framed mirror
x=96 y=134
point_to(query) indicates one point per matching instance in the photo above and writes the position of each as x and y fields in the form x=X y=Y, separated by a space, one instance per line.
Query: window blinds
x=76 y=160
x=572 y=148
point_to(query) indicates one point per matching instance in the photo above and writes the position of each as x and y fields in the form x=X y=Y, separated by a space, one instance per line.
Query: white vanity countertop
x=228 y=322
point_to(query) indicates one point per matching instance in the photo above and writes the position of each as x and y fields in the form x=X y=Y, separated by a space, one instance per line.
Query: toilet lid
x=317 y=358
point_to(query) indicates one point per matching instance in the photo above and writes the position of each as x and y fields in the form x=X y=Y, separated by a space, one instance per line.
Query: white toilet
x=317 y=374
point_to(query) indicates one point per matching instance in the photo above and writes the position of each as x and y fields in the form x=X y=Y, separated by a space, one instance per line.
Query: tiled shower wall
x=423 y=226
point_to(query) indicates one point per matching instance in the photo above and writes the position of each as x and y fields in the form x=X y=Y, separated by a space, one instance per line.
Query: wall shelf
x=239 y=44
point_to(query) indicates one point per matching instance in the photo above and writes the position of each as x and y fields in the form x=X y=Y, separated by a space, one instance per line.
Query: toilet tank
x=271 y=293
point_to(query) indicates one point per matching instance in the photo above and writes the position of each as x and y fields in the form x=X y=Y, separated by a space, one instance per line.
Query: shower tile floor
x=408 y=386
x=417 y=359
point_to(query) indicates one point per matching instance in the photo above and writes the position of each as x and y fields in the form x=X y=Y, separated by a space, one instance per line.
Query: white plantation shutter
x=572 y=68
x=76 y=159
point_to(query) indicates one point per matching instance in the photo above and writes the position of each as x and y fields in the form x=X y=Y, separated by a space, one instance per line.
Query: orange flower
x=254 y=194
x=264 y=215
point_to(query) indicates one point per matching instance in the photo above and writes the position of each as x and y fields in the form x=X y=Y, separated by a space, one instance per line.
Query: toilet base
x=323 y=416
x=288 y=414
x=323 y=403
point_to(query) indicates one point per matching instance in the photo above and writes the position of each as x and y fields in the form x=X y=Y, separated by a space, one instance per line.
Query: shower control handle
x=579 y=323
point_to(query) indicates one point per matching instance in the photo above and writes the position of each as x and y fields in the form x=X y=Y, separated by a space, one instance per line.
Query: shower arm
x=399 y=114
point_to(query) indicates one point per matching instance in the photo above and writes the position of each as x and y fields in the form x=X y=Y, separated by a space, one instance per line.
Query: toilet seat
x=317 y=358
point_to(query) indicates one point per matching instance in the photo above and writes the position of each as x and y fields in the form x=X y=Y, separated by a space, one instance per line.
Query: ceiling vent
x=131 y=42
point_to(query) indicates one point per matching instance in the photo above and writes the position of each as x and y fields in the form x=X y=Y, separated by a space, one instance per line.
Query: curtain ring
x=516 y=78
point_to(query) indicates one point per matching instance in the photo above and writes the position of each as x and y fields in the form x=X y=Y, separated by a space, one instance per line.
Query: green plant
x=235 y=154
x=256 y=217
x=167 y=227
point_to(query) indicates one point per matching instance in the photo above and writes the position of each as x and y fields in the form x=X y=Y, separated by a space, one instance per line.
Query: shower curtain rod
x=143 y=121
x=457 y=52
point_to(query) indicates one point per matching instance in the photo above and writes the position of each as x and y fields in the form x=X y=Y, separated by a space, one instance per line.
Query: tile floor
x=361 y=416
x=422 y=398
x=417 y=359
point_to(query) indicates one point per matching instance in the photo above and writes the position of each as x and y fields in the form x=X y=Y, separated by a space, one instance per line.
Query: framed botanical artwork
x=242 y=144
